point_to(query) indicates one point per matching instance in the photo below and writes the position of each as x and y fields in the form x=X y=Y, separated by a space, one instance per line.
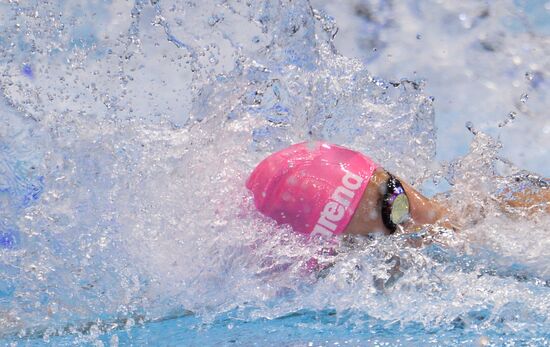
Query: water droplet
x=215 y=19
x=27 y=71
x=418 y=36
x=511 y=116
x=534 y=77
x=483 y=341
x=470 y=127
x=8 y=239
x=135 y=12
x=524 y=98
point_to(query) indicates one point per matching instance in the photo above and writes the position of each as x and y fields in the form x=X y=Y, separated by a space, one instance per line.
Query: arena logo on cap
x=335 y=209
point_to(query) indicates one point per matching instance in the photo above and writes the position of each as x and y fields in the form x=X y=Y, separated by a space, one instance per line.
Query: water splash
x=144 y=120
x=478 y=57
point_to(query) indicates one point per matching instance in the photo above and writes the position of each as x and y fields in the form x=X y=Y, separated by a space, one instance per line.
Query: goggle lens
x=400 y=209
x=395 y=205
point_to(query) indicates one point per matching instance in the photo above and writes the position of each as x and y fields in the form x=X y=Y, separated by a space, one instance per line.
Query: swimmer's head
x=323 y=189
x=314 y=187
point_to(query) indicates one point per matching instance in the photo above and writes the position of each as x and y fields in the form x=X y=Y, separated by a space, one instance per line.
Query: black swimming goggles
x=395 y=204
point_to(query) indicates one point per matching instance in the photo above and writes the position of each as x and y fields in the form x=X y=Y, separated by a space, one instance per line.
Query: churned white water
x=127 y=131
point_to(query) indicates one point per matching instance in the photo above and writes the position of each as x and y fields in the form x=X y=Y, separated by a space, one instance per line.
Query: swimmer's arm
x=530 y=201
x=428 y=212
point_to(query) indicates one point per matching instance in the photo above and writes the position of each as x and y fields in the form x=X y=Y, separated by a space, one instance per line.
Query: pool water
x=127 y=130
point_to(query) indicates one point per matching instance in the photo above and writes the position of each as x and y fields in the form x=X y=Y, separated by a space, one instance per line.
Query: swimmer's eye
x=395 y=204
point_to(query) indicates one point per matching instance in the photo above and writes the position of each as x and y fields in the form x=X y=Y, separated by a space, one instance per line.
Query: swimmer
x=322 y=190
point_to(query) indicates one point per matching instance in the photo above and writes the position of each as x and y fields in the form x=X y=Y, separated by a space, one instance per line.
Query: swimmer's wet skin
x=322 y=189
x=531 y=199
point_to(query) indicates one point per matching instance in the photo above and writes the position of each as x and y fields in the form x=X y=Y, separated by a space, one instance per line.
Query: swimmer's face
x=367 y=218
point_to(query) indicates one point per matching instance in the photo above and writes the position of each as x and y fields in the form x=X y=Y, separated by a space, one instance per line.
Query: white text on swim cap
x=335 y=209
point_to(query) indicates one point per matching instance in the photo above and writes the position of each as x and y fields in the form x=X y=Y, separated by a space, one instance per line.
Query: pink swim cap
x=314 y=187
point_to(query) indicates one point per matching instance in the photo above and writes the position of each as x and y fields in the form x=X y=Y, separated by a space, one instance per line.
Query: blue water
x=318 y=328
x=127 y=130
